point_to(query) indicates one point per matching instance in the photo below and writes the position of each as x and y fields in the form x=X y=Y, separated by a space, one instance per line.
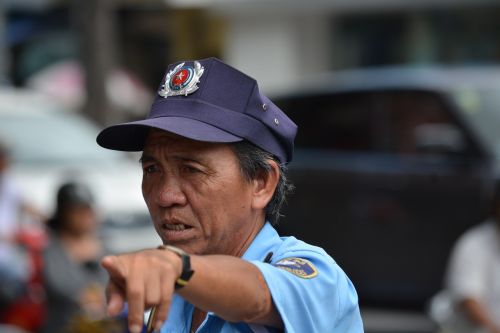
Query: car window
x=339 y=122
x=480 y=108
x=412 y=119
x=396 y=122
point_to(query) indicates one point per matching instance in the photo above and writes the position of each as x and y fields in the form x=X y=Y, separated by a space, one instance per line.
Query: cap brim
x=131 y=136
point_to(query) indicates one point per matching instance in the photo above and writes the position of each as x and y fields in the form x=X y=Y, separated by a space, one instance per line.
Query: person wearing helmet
x=73 y=279
x=214 y=156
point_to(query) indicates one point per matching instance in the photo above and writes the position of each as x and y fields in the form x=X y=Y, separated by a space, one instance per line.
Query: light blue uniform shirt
x=324 y=303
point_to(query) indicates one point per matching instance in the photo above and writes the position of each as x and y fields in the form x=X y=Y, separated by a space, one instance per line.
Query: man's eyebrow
x=188 y=159
x=146 y=158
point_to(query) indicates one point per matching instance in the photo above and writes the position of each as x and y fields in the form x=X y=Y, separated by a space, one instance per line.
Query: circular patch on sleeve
x=297 y=266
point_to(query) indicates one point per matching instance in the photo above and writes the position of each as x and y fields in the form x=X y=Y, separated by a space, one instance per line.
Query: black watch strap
x=187 y=272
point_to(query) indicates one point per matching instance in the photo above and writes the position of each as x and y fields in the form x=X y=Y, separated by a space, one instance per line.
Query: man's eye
x=150 y=168
x=191 y=169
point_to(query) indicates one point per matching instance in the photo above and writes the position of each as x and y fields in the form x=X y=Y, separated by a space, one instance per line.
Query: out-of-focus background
x=396 y=101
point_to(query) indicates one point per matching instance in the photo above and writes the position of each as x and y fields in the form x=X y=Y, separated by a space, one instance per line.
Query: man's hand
x=142 y=279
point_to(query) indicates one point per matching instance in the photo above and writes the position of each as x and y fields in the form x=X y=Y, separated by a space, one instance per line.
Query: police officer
x=214 y=156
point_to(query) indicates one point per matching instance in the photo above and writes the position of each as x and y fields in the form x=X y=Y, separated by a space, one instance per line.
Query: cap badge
x=182 y=80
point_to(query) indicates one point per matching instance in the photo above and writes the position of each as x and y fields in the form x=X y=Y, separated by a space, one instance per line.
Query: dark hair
x=70 y=194
x=253 y=160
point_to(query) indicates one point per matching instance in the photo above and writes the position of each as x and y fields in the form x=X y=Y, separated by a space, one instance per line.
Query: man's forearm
x=231 y=287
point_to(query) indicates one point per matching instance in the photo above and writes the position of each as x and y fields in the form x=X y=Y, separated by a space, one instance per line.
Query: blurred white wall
x=280 y=41
x=278 y=49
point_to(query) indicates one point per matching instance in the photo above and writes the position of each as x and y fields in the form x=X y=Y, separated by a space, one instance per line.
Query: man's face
x=197 y=196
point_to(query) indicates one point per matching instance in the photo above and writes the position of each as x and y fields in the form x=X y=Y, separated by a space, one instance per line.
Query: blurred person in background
x=21 y=299
x=473 y=276
x=74 y=281
x=13 y=206
x=13 y=269
x=11 y=202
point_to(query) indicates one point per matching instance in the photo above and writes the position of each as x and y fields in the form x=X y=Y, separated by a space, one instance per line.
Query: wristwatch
x=187 y=272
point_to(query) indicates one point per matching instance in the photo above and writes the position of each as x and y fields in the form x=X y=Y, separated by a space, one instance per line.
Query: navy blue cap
x=208 y=100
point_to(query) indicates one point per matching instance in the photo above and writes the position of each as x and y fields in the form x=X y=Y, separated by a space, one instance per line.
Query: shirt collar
x=266 y=240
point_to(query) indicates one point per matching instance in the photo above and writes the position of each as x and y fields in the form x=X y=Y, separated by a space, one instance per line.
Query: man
x=473 y=278
x=214 y=156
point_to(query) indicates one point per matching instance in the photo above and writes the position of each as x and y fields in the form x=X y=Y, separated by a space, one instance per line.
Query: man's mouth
x=175 y=226
x=174 y=231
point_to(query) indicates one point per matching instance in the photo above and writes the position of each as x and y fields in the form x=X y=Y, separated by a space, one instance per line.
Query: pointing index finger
x=113 y=266
x=135 y=291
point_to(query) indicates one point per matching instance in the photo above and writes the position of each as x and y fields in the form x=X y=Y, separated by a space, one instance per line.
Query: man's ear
x=265 y=185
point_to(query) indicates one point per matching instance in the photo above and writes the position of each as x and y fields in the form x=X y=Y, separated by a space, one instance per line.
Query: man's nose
x=170 y=193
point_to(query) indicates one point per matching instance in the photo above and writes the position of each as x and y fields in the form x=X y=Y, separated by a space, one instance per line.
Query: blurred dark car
x=391 y=166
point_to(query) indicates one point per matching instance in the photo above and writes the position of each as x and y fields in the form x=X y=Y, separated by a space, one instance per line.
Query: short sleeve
x=465 y=276
x=325 y=301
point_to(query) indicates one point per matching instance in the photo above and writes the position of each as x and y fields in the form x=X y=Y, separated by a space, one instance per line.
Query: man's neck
x=257 y=226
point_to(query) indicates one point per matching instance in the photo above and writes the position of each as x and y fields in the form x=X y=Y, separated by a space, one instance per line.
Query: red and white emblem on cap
x=182 y=80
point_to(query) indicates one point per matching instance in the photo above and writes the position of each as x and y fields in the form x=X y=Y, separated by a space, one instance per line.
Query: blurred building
x=282 y=41
x=277 y=41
